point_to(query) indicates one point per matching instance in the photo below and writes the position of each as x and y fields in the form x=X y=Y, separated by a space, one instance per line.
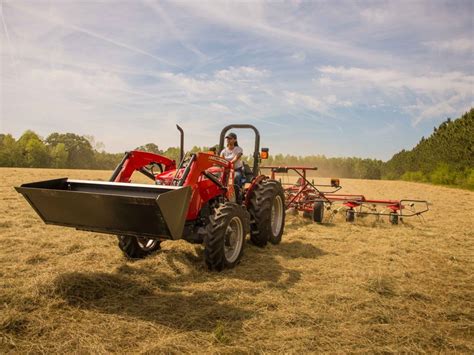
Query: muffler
x=139 y=210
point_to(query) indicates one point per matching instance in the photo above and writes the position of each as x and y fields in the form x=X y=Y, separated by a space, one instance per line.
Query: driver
x=232 y=152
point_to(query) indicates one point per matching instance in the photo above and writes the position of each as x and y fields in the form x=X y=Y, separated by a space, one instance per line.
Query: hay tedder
x=196 y=201
x=314 y=200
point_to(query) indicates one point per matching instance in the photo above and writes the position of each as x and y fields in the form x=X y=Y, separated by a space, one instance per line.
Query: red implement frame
x=304 y=195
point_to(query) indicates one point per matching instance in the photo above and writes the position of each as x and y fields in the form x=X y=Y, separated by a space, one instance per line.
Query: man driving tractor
x=232 y=152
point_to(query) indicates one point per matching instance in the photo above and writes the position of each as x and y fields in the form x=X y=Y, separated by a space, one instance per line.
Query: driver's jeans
x=238 y=176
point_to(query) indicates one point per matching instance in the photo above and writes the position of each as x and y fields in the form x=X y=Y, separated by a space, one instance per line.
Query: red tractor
x=196 y=201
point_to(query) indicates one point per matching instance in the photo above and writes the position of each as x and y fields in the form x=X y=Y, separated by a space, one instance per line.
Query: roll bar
x=256 y=153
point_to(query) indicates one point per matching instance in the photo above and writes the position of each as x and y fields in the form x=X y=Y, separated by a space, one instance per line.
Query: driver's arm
x=237 y=157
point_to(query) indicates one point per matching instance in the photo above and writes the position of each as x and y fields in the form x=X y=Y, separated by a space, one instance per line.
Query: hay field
x=366 y=287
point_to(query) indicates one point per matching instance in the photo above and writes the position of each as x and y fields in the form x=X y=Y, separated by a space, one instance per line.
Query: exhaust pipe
x=181 y=144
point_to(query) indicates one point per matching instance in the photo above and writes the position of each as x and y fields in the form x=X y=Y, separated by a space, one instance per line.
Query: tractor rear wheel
x=225 y=236
x=318 y=211
x=137 y=247
x=267 y=213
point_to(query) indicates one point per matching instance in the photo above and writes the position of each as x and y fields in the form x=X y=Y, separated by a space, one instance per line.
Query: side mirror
x=264 y=153
x=335 y=182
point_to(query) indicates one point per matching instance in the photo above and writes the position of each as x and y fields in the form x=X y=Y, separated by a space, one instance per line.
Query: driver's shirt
x=229 y=154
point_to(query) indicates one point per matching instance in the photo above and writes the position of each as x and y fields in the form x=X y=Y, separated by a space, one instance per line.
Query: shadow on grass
x=160 y=290
x=298 y=249
x=122 y=295
x=259 y=265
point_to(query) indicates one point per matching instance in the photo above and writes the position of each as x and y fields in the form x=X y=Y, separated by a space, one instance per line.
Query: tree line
x=72 y=151
x=446 y=157
x=58 y=150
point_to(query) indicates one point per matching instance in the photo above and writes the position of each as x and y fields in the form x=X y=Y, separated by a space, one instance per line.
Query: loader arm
x=201 y=163
x=137 y=160
x=208 y=175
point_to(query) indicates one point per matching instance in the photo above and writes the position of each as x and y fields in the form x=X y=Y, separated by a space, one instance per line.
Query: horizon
x=100 y=146
x=340 y=80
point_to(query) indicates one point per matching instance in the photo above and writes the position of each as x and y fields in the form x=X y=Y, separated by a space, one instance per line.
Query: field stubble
x=362 y=287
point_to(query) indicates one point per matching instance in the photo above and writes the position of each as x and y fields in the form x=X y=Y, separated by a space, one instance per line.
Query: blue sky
x=340 y=78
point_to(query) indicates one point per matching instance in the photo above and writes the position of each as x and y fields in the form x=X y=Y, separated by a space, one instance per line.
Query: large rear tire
x=137 y=248
x=225 y=236
x=267 y=213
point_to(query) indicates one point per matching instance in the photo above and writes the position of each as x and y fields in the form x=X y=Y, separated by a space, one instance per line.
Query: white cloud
x=294 y=98
x=436 y=94
x=430 y=82
x=219 y=108
x=376 y=15
x=241 y=74
x=265 y=20
x=245 y=99
x=74 y=84
x=223 y=82
x=324 y=104
x=298 y=57
x=173 y=29
x=98 y=36
x=459 y=45
x=129 y=76
x=192 y=85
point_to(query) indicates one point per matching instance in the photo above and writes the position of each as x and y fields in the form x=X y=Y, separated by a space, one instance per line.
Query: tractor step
x=140 y=210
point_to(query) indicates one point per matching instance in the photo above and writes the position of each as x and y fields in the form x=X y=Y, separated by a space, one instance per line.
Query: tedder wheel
x=318 y=211
x=350 y=215
x=137 y=247
x=225 y=236
x=393 y=217
x=267 y=213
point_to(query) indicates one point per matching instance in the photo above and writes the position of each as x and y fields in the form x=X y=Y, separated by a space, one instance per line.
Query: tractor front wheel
x=137 y=247
x=267 y=213
x=225 y=236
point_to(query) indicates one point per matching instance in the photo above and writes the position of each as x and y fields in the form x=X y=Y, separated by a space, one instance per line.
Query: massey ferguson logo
x=218 y=159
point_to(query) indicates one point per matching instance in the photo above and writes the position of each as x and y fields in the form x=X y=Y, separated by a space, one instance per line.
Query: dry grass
x=366 y=287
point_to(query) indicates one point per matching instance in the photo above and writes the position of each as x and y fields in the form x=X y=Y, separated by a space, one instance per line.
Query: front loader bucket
x=107 y=207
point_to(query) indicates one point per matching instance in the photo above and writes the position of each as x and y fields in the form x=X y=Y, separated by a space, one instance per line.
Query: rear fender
x=248 y=191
